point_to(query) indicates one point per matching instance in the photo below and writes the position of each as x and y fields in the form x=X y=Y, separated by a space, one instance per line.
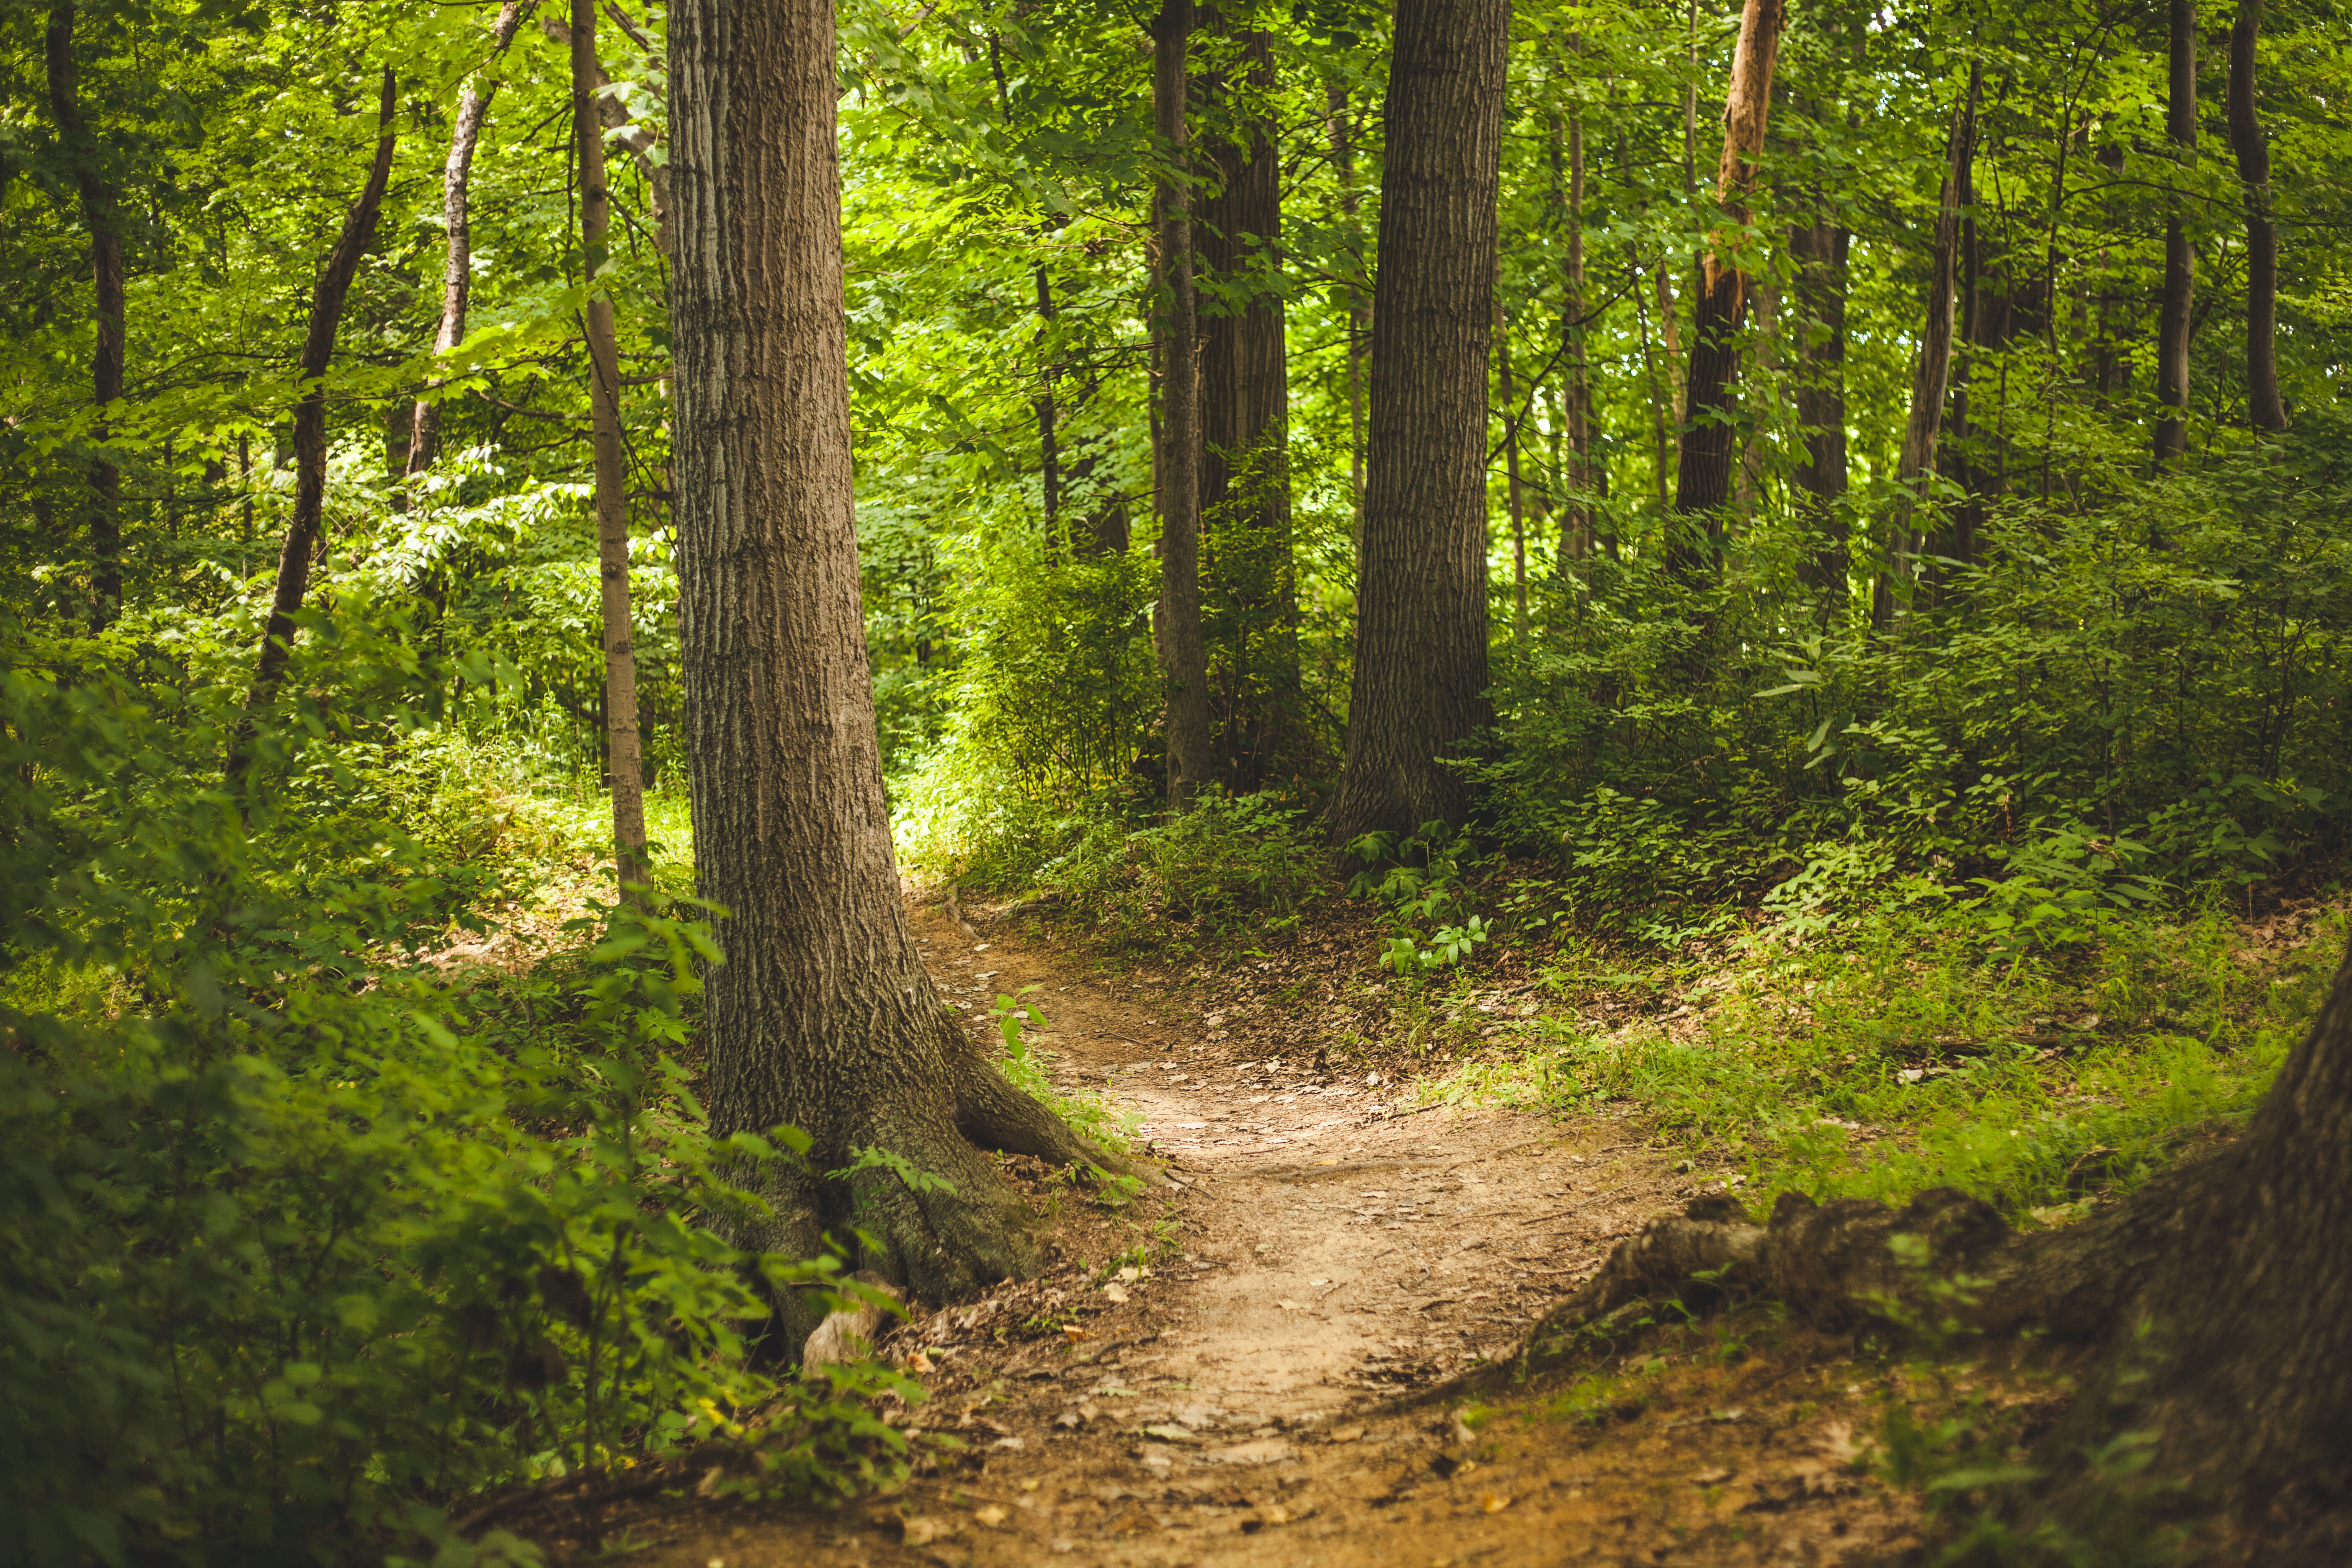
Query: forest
x=1731 y=614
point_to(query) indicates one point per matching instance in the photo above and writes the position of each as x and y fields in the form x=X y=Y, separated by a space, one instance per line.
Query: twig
x=1416 y=1110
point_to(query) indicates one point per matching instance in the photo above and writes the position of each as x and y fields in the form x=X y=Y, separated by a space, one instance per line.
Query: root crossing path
x=1221 y=1372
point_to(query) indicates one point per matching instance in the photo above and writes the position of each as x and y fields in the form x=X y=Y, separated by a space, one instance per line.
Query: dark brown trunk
x=2264 y=409
x=311 y=441
x=456 y=217
x=623 y=753
x=1931 y=371
x=1246 y=431
x=1360 y=329
x=2174 y=315
x=1818 y=249
x=821 y=1017
x=1184 y=652
x=1710 y=435
x=1576 y=526
x=1420 y=681
x=100 y=216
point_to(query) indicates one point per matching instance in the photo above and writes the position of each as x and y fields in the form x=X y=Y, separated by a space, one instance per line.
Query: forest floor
x=1257 y=1362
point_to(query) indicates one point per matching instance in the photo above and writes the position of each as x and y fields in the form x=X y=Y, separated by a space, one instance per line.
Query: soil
x=1256 y=1360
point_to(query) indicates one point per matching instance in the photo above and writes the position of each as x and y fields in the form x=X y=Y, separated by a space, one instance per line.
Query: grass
x=1904 y=1055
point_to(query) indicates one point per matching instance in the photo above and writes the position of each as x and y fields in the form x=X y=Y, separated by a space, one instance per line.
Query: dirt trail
x=1327 y=1250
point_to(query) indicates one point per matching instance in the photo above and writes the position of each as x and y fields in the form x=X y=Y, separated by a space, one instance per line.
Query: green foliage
x=1417 y=879
x=1233 y=861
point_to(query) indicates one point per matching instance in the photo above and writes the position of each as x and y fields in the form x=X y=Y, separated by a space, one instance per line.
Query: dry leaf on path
x=992 y=1514
x=1494 y=1502
x=1115 y=1294
x=923 y=1528
x=1346 y=1434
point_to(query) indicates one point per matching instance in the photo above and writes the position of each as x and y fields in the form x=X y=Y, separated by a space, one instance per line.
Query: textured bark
x=1184 y=652
x=2174 y=314
x=1512 y=496
x=311 y=439
x=821 y=1016
x=1710 y=435
x=1245 y=435
x=1577 y=474
x=2264 y=409
x=2221 y=1288
x=1931 y=371
x=457 y=218
x=1420 y=681
x=624 y=754
x=1359 y=326
x=1818 y=249
x=101 y=217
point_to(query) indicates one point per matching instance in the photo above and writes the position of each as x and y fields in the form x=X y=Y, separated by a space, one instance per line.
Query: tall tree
x=1418 y=688
x=1360 y=327
x=623 y=756
x=821 y=1016
x=1183 y=651
x=2264 y=409
x=457 y=221
x=1931 y=371
x=1245 y=414
x=101 y=216
x=2175 y=318
x=1710 y=435
x=334 y=286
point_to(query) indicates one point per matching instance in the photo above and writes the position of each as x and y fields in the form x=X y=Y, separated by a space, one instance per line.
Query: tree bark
x=101 y=217
x=1245 y=430
x=456 y=217
x=1418 y=688
x=1360 y=330
x=311 y=441
x=2264 y=409
x=1931 y=373
x=1710 y=435
x=623 y=753
x=1576 y=526
x=2174 y=315
x=1820 y=250
x=821 y=1015
x=1184 y=652
x=1511 y=477
x=2221 y=1289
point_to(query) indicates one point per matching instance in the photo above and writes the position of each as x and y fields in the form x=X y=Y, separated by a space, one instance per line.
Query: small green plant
x=1420 y=881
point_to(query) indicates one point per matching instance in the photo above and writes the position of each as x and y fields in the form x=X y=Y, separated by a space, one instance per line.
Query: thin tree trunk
x=456 y=217
x=624 y=759
x=1511 y=477
x=1420 y=603
x=310 y=442
x=1820 y=250
x=1184 y=653
x=1576 y=532
x=2265 y=410
x=1049 y=449
x=1661 y=430
x=1710 y=435
x=1931 y=373
x=1360 y=331
x=101 y=217
x=2175 y=315
x=822 y=1016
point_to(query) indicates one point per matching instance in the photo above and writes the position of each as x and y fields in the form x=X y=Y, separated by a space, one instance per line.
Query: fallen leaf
x=1346 y=1434
x=1136 y=1523
x=1494 y=1502
x=1129 y=1274
x=922 y=1530
x=1288 y=1306
x=1115 y=1294
x=992 y=1514
x=1169 y=1432
x=1318 y=1281
x=1072 y=1332
x=919 y=1362
x=1710 y=1477
x=1734 y=1413
x=1007 y=1443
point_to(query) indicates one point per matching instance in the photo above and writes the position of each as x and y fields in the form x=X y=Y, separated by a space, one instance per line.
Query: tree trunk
x=2264 y=409
x=2221 y=1288
x=1184 y=653
x=1245 y=433
x=456 y=217
x=1710 y=435
x=311 y=441
x=623 y=754
x=1931 y=373
x=1661 y=425
x=1576 y=528
x=2174 y=316
x=1360 y=330
x=100 y=216
x=1511 y=477
x=821 y=1017
x=1818 y=249
x=1420 y=681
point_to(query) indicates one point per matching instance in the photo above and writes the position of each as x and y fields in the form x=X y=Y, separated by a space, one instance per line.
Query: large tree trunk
x=1420 y=680
x=311 y=441
x=1184 y=652
x=2174 y=315
x=1710 y=436
x=2223 y=1289
x=623 y=756
x=100 y=216
x=1245 y=432
x=457 y=218
x=2264 y=409
x=1931 y=373
x=821 y=1017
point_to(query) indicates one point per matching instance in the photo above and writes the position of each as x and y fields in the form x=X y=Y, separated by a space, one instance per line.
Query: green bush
x=1232 y=859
